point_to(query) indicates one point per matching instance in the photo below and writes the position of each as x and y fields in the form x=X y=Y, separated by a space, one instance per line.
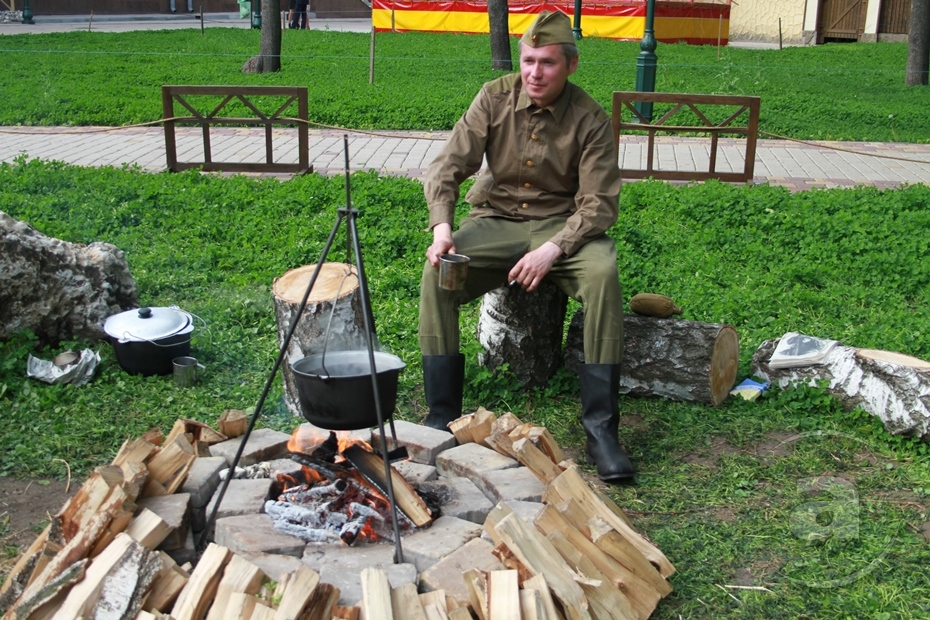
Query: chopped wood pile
x=581 y=558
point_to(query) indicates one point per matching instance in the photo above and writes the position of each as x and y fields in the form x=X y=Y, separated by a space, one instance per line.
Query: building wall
x=757 y=20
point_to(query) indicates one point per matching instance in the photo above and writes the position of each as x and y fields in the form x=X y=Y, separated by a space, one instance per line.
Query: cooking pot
x=335 y=389
x=145 y=340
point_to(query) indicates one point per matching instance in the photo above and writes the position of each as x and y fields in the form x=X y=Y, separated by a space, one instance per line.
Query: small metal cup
x=453 y=269
x=185 y=371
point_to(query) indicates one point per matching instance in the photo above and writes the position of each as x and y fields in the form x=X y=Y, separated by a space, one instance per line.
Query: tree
x=498 y=18
x=918 y=44
x=269 y=54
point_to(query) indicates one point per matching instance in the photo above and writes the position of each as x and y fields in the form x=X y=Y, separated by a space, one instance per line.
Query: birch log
x=334 y=316
x=891 y=386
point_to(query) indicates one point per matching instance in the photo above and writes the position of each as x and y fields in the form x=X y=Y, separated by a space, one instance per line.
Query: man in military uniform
x=541 y=211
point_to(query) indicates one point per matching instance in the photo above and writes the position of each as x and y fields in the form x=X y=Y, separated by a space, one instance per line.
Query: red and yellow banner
x=697 y=23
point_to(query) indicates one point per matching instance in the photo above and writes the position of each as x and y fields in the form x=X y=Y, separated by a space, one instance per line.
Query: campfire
x=339 y=495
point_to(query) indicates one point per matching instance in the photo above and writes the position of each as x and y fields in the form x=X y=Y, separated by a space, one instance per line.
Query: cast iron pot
x=336 y=393
x=145 y=340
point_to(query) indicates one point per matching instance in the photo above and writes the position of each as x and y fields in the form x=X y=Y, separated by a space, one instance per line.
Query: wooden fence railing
x=244 y=95
x=747 y=107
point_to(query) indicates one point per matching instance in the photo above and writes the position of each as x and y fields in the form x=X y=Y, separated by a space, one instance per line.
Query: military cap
x=549 y=28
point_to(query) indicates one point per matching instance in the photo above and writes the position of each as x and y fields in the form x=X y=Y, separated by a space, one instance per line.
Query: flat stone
x=243 y=497
x=174 y=510
x=203 y=478
x=423 y=443
x=426 y=547
x=273 y=564
x=286 y=467
x=186 y=553
x=342 y=567
x=446 y=574
x=255 y=533
x=415 y=473
x=264 y=444
x=460 y=498
x=471 y=461
x=512 y=484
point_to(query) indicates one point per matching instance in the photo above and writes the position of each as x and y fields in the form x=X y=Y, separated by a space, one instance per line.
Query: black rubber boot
x=443 y=383
x=600 y=417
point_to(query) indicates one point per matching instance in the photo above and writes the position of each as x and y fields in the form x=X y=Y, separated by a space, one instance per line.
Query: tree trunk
x=270 y=47
x=523 y=330
x=891 y=386
x=672 y=358
x=918 y=44
x=498 y=17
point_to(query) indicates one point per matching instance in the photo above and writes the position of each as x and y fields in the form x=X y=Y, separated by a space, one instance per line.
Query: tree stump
x=523 y=330
x=891 y=386
x=672 y=358
x=334 y=317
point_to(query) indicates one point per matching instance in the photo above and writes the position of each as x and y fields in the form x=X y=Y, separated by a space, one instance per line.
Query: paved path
x=791 y=164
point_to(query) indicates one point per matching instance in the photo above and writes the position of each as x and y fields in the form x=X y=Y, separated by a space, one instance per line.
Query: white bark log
x=893 y=387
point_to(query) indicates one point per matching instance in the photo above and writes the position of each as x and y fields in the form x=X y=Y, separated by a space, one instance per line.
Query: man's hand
x=533 y=267
x=442 y=244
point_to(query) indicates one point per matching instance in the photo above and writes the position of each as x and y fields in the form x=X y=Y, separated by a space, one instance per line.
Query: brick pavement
x=798 y=166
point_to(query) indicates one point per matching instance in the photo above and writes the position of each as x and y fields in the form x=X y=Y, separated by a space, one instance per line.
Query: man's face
x=544 y=71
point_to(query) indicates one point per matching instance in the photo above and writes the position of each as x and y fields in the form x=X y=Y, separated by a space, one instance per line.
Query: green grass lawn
x=736 y=496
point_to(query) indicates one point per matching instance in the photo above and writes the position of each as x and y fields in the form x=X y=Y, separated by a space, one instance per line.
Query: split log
x=891 y=386
x=538 y=583
x=167 y=586
x=322 y=603
x=476 y=583
x=523 y=330
x=148 y=529
x=297 y=594
x=531 y=605
x=198 y=594
x=239 y=576
x=503 y=595
x=459 y=613
x=346 y=613
x=371 y=466
x=376 y=594
x=334 y=316
x=671 y=358
x=85 y=504
x=19 y=576
x=537 y=462
x=169 y=466
x=41 y=602
x=436 y=598
x=405 y=602
x=233 y=423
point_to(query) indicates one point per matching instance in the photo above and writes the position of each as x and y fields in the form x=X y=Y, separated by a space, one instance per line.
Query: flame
x=306 y=438
x=347 y=440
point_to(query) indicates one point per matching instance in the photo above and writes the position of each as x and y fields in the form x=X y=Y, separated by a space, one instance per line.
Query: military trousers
x=494 y=246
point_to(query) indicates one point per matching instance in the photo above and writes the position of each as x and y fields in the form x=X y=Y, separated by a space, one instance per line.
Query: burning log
x=371 y=467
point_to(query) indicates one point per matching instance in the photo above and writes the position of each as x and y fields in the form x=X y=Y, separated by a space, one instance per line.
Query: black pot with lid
x=147 y=339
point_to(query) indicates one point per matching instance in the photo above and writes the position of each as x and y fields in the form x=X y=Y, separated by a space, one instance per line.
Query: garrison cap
x=550 y=28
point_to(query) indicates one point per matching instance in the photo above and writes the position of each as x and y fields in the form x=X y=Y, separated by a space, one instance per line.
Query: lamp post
x=646 y=63
x=27 y=13
x=576 y=29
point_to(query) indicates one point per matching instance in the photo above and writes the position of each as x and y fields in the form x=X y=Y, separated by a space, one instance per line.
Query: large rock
x=57 y=289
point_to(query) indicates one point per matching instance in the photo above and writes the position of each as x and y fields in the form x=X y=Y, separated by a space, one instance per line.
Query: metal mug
x=453 y=269
x=185 y=371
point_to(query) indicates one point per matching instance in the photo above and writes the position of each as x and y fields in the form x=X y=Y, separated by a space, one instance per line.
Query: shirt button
x=524 y=206
x=534 y=137
x=527 y=185
x=529 y=163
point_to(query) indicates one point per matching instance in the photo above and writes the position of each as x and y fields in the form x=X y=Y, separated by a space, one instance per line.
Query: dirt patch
x=635 y=422
x=925 y=530
x=708 y=457
x=25 y=508
x=777 y=444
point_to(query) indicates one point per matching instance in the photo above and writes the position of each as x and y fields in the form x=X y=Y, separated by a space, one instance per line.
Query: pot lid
x=143 y=324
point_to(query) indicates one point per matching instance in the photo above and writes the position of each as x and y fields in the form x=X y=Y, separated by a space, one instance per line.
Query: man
x=551 y=194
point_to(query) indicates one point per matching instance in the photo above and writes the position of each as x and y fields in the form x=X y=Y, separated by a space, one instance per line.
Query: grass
x=819 y=511
x=828 y=92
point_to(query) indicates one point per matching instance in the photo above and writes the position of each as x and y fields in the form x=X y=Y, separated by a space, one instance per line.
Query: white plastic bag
x=76 y=373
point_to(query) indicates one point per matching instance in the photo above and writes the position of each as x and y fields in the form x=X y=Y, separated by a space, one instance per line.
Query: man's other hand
x=533 y=267
x=442 y=244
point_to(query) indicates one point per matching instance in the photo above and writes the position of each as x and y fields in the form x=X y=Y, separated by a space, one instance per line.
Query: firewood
x=626 y=553
x=262 y=612
x=135 y=473
x=539 y=557
x=119 y=520
x=240 y=575
x=476 y=582
x=371 y=466
x=197 y=431
x=233 y=423
x=42 y=602
x=543 y=439
x=434 y=597
x=460 y=428
x=538 y=583
x=168 y=468
x=535 y=460
x=144 y=615
x=345 y=613
x=148 y=529
x=481 y=423
x=435 y=612
x=641 y=592
x=459 y=613
x=500 y=442
x=85 y=504
x=570 y=485
x=19 y=576
x=503 y=595
x=321 y=604
x=597 y=588
x=153 y=436
x=239 y=606
x=505 y=423
x=406 y=603
x=166 y=587
x=376 y=594
x=531 y=607
x=115 y=582
x=135 y=450
x=300 y=586
x=494 y=517
x=197 y=595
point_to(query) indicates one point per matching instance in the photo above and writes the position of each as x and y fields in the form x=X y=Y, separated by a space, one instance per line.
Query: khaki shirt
x=557 y=161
